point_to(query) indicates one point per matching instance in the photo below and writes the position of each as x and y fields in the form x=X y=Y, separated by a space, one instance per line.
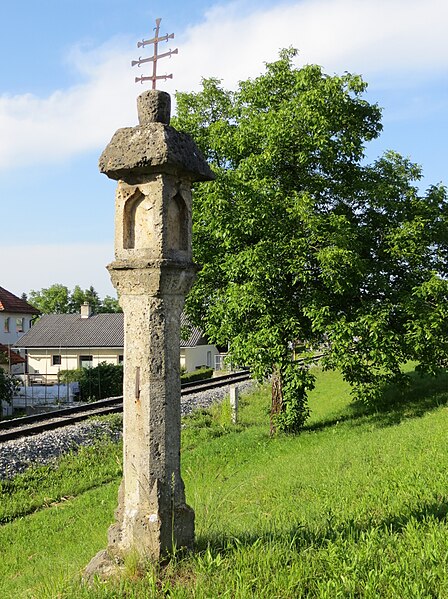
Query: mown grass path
x=355 y=506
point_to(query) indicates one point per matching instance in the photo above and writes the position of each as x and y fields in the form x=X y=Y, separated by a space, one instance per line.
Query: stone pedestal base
x=152 y=540
x=153 y=534
x=102 y=566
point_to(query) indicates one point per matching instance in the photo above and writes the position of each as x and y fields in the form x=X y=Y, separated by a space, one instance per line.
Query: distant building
x=10 y=360
x=70 y=341
x=16 y=318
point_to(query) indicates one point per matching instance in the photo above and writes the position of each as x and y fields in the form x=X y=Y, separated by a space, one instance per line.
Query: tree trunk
x=277 y=399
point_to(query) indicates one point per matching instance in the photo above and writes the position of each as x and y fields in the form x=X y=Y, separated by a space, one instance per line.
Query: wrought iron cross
x=155 y=40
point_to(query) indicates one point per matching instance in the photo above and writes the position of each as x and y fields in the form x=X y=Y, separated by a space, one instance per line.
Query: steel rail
x=37 y=423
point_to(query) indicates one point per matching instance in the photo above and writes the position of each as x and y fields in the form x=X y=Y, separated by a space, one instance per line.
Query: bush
x=8 y=385
x=70 y=376
x=197 y=375
x=297 y=381
x=105 y=380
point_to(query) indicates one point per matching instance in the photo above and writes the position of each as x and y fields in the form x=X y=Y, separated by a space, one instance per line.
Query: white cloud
x=378 y=38
x=374 y=36
x=26 y=267
x=41 y=130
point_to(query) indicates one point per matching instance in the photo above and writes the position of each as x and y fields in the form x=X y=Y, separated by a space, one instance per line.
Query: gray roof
x=99 y=330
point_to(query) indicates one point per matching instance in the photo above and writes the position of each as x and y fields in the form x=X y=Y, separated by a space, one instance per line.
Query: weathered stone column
x=152 y=272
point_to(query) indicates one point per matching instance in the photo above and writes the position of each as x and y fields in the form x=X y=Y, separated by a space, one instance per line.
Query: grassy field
x=355 y=506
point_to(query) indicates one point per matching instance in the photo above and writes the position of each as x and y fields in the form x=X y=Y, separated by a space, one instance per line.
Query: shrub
x=105 y=380
x=70 y=376
x=197 y=375
x=7 y=386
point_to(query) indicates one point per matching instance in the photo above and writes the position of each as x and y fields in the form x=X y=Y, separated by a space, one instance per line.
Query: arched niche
x=138 y=226
x=177 y=224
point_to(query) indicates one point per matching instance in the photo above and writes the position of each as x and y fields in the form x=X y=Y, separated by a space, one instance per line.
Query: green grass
x=355 y=506
x=71 y=475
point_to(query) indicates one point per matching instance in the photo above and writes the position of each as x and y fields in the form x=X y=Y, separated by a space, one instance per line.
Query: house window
x=6 y=327
x=56 y=360
x=20 y=325
x=85 y=361
x=120 y=359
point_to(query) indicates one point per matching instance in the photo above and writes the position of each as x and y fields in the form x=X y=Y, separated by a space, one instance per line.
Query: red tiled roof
x=10 y=355
x=11 y=303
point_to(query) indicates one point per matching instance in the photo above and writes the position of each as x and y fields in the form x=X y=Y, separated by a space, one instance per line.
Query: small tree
x=8 y=385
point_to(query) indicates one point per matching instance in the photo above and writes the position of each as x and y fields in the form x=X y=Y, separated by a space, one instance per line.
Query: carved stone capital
x=152 y=278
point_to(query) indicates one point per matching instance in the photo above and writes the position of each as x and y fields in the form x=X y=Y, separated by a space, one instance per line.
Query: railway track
x=31 y=425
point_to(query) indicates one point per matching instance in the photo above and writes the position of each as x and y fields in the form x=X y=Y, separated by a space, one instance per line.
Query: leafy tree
x=51 y=300
x=110 y=304
x=300 y=241
x=92 y=298
x=58 y=299
x=79 y=297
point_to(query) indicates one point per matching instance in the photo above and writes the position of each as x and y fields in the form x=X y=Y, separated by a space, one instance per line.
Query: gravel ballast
x=44 y=448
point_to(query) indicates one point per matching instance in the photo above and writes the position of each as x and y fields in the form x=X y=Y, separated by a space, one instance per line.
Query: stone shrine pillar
x=152 y=272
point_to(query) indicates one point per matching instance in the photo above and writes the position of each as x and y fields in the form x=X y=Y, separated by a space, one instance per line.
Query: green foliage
x=109 y=304
x=58 y=299
x=297 y=381
x=79 y=297
x=300 y=240
x=70 y=376
x=52 y=300
x=72 y=474
x=105 y=380
x=356 y=506
x=197 y=375
x=8 y=385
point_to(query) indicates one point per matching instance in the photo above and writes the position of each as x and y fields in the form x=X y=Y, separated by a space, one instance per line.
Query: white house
x=16 y=317
x=69 y=341
x=10 y=360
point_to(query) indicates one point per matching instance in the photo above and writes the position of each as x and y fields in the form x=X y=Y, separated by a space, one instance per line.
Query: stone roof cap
x=153 y=146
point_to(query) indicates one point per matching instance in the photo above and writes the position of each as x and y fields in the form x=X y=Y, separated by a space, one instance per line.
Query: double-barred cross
x=155 y=40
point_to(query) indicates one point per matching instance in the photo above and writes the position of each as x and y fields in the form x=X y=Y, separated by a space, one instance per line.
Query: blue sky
x=66 y=85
